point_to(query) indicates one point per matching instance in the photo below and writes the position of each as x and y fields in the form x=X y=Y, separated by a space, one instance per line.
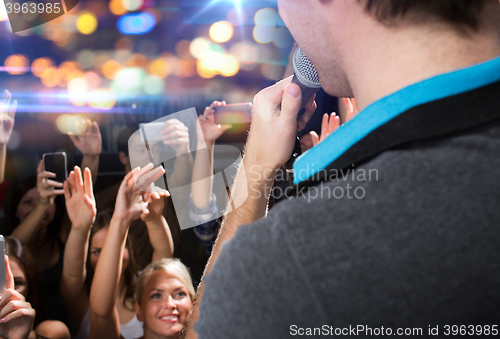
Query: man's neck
x=404 y=56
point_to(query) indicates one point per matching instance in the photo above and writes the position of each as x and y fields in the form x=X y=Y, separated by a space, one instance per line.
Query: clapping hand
x=79 y=196
x=7 y=114
x=16 y=315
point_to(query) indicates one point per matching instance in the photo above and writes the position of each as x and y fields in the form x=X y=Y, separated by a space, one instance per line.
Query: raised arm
x=131 y=202
x=48 y=190
x=89 y=143
x=7 y=114
x=202 y=181
x=158 y=229
x=270 y=144
x=80 y=204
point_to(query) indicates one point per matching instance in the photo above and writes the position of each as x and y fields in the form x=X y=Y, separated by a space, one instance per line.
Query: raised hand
x=79 y=196
x=351 y=108
x=7 y=114
x=329 y=125
x=135 y=191
x=16 y=315
x=154 y=208
x=46 y=187
x=176 y=135
x=89 y=142
x=211 y=130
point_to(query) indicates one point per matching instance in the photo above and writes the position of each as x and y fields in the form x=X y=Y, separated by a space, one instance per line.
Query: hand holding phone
x=56 y=163
x=47 y=188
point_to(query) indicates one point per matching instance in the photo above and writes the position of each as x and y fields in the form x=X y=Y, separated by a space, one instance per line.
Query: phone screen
x=3 y=277
x=56 y=163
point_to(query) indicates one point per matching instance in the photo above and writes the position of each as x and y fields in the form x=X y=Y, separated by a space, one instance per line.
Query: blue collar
x=389 y=107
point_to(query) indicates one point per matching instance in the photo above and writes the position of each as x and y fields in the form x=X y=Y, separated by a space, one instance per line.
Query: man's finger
x=314 y=137
x=9 y=277
x=290 y=104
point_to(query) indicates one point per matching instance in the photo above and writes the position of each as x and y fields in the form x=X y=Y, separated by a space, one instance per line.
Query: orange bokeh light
x=16 y=64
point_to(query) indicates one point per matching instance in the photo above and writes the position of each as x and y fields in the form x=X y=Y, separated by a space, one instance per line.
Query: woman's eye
x=180 y=295
x=156 y=296
x=95 y=252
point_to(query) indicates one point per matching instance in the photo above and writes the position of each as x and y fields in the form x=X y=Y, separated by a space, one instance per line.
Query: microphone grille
x=304 y=69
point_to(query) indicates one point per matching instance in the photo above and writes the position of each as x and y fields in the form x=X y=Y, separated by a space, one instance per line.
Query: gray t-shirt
x=421 y=248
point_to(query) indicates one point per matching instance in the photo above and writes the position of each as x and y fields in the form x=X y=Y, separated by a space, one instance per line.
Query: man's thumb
x=292 y=98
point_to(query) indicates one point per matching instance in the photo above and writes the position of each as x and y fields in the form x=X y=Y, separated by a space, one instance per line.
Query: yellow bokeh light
x=16 y=64
x=102 y=98
x=50 y=77
x=160 y=68
x=221 y=31
x=198 y=46
x=77 y=92
x=110 y=68
x=3 y=14
x=230 y=66
x=87 y=23
x=39 y=65
x=116 y=7
x=67 y=123
x=203 y=71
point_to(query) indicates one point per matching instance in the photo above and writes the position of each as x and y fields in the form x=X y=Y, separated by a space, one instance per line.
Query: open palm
x=79 y=195
x=7 y=114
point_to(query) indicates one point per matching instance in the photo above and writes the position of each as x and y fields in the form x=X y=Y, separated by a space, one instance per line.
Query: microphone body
x=305 y=77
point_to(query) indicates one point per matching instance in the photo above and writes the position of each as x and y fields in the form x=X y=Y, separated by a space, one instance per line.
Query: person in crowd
x=38 y=219
x=27 y=282
x=136 y=198
x=7 y=115
x=80 y=259
x=16 y=314
x=402 y=252
x=203 y=202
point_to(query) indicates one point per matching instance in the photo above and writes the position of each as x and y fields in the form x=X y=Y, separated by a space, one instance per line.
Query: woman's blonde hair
x=171 y=266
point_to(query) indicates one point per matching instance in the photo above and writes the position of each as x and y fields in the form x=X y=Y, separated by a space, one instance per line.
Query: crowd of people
x=419 y=251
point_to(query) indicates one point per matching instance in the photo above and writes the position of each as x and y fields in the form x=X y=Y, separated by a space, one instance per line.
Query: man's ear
x=137 y=310
x=123 y=158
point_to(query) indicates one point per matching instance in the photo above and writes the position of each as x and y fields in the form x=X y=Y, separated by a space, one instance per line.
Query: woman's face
x=20 y=282
x=165 y=305
x=28 y=202
x=96 y=245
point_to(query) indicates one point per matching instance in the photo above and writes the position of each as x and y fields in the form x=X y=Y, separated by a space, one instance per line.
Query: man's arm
x=269 y=146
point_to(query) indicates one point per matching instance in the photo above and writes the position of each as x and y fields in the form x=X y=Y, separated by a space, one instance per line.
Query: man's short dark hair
x=460 y=13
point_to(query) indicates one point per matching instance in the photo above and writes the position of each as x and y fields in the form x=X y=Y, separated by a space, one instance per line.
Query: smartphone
x=56 y=163
x=3 y=276
x=234 y=113
x=151 y=130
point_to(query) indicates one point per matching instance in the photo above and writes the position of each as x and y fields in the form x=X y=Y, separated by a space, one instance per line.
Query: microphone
x=306 y=77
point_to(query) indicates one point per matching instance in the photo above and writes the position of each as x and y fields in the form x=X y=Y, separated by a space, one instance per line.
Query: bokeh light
x=198 y=46
x=160 y=68
x=67 y=123
x=245 y=52
x=86 y=58
x=102 y=98
x=38 y=66
x=16 y=64
x=124 y=44
x=3 y=14
x=138 y=23
x=50 y=77
x=86 y=23
x=131 y=5
x=116 y=7
x=130 y=78
x=266 y=17
x=92 y=79
x=221 y=31
x=264 y=34
x=77 y=92
x=182 y=48
x=153 y=85
x=230 y=66
x=110 y=69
